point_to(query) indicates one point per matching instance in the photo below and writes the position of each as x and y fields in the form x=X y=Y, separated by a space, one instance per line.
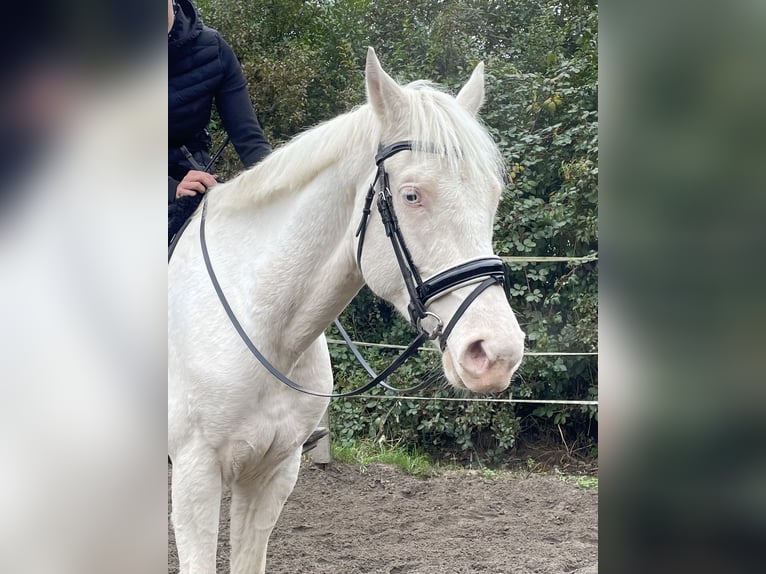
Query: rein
x=207 y=169
x=487 y=271
x=412 y=349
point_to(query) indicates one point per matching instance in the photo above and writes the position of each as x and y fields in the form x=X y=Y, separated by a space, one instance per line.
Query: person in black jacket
x=202 y=69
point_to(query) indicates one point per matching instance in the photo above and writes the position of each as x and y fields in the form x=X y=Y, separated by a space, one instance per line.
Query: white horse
x=282 y=240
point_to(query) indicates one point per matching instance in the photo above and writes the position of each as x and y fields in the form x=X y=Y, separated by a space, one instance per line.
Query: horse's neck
x=294 y=256
x=314 y=270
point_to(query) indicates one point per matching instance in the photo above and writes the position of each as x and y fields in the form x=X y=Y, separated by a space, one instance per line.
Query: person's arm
x=237 y=113
x=194 y=182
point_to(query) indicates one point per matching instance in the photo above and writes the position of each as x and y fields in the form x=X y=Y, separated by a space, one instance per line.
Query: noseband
x=486 y=271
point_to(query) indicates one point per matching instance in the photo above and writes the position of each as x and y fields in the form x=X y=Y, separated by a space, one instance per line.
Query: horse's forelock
x=437 y=119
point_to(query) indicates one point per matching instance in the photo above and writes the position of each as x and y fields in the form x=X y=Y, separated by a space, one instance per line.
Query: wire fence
x=434 y=350
x=510 y=400
x=508 y=259
x=524 y=259
x=469 y=399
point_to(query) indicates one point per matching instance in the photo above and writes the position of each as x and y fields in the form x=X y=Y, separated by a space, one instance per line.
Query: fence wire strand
x=508 y=259
x=434 y=350
x=480 y=400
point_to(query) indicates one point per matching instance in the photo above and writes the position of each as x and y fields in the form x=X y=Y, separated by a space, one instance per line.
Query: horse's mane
x=434 y=118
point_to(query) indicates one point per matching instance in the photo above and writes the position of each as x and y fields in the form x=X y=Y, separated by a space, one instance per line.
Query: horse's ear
x=471 y=96
x=383 y=93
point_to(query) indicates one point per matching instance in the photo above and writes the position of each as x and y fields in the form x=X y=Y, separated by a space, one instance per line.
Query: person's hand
x=195 y=182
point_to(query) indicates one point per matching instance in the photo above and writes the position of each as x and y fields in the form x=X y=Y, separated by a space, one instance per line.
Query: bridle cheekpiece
x=486 y=271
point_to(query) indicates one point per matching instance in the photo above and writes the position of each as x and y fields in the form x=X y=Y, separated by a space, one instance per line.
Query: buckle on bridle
x=431 y=335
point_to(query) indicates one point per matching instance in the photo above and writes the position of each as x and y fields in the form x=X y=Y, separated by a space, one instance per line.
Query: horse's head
x=445 y=189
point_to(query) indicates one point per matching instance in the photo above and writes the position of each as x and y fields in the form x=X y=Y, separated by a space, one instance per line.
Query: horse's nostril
x=476 y=359
x=476 y=349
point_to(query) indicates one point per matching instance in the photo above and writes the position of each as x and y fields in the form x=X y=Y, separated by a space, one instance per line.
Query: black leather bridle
x=486 y=271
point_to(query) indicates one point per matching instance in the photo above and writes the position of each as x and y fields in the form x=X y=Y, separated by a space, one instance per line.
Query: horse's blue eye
x=411 y=196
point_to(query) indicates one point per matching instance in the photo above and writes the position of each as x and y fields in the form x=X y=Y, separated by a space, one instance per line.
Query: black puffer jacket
x=202 y=68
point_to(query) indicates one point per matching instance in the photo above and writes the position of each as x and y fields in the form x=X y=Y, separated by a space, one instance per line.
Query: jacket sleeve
x=237 y=113
x=172 y=185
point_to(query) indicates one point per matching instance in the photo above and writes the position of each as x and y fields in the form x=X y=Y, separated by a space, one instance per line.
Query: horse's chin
x=460 y=380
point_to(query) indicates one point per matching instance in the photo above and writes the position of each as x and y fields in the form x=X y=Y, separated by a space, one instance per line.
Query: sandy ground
x=342 y=519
